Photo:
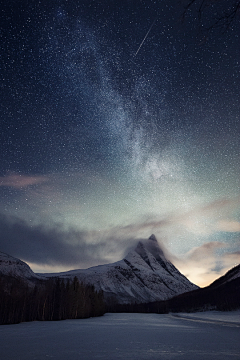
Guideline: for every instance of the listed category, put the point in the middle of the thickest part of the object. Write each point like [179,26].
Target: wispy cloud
[19,181]
[228,226]
[203,264]
[231,259]
[55,245]
[201,220]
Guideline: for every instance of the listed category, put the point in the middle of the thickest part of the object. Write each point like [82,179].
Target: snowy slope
[12,266]
[144,275]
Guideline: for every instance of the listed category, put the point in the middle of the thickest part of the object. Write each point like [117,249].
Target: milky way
[106,138]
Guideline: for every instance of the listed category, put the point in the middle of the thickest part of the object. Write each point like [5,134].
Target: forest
[53,299]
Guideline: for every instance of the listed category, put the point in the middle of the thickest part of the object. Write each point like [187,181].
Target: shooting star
[145,37]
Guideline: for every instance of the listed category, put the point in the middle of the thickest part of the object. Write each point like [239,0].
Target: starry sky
[119,119]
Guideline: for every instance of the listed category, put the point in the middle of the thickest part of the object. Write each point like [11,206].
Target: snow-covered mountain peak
[150,251]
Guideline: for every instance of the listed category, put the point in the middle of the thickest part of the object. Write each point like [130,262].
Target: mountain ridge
[143,275]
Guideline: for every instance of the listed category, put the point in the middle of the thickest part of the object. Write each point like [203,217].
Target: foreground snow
[228,318]
[124,336]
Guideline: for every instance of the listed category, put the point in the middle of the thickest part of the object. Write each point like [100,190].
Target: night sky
[119,120]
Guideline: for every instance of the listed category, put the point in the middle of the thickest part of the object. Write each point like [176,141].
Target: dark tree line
[53,299]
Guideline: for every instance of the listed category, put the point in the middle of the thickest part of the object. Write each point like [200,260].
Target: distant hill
[13,267]
[222,294]
[232,274]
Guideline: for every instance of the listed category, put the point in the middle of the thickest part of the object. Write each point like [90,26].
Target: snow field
[228,318]
[122,336]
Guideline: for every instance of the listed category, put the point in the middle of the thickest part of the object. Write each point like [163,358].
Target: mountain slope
[16,268]
[144,275]
[232,274]
[223,294]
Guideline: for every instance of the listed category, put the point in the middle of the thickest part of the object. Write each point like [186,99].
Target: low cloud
[56,246]
[52,247]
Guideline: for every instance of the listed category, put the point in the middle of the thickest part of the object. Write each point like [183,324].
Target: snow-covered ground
[125,336]
[228,318]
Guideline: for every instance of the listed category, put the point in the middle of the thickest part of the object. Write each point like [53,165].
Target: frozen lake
[125,336]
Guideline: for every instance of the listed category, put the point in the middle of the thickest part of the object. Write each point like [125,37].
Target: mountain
[223,295]
[144,275]
[11,266]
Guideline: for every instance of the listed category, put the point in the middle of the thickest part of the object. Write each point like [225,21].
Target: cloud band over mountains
[55,247]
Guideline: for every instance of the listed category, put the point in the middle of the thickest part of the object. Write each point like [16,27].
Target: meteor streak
[145,37]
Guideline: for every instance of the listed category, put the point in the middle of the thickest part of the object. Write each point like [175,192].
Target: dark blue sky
[102,134]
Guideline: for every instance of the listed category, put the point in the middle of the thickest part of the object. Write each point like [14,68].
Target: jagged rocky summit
[144,275]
